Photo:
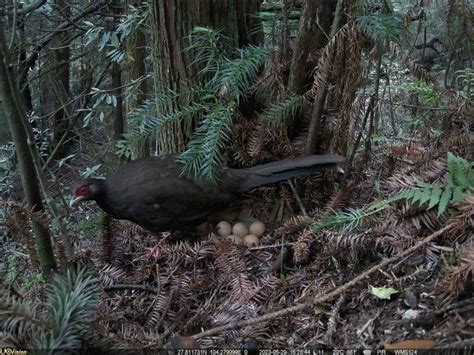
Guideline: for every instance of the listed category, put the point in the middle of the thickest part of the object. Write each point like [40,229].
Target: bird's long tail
[271,173]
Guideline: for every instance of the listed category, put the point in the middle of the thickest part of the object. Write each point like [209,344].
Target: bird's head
[88,190]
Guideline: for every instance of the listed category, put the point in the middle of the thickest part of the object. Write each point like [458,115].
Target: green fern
[204,153]
[213,102]
[209,49]
[282,112]
[349,220]
[71,303]
[459,183]
[235,76]
[382,28]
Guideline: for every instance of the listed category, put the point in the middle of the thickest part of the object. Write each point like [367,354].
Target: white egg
[240,229]
[223,229]
[251,240]
[257,228]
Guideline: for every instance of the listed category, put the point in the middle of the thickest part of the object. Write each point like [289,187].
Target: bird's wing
[170,199]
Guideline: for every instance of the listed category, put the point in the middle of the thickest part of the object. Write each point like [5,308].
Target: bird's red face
[83,192]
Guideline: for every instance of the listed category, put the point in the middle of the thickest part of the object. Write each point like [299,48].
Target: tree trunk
[320,99]
[24,86]
[16,115]
[313,31]
[61,82]
[136,53]
[171,22]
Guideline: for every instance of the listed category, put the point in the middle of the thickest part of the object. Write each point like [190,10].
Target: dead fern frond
[293,225]
[17,222]
[110,274]
[302,245]
[161,305]
[458,278]
[417,70]
[325,63]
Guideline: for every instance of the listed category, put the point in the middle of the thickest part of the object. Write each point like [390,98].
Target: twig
[297,198]
[273,246]
[130,287]
[336,292]
[368,323]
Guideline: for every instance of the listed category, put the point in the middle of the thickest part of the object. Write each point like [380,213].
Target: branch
[336,292]
[130,287]
[26,10]
[31,60]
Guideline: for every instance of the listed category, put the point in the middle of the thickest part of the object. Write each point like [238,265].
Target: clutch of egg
[239,233]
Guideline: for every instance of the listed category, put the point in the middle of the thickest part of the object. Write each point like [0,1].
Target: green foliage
[459,182]
[154,116]
[348,220]
[236,75]
[89,227]
[423,90]
[209,48]
[71,303]
[92,172]
[383,28]
[212,102]
[464,82]
[204,153]
[282,112]
[383,293]
[113,41]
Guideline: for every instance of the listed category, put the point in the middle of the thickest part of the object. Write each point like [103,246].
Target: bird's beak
[75,200]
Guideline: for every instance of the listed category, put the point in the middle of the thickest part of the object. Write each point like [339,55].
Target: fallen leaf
[384,293]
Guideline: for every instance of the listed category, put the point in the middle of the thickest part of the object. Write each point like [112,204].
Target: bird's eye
[83,190]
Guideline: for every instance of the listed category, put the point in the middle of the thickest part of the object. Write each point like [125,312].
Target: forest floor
[301,287]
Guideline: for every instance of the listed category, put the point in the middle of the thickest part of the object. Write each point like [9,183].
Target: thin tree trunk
[136,52]
[62,53]
[313,31]
[15,117]
[118,126]
[117,122]
[23,74]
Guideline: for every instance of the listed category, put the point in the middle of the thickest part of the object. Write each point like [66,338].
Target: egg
[240,229]
[235,239]
[257,228]
[251,240]
[223,229]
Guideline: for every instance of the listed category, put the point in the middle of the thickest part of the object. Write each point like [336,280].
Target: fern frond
[236,75]
[459,184]
[19,318]
[205,151]
[282,112]
[350,219]
[383,28]
[71,302]
[209,48]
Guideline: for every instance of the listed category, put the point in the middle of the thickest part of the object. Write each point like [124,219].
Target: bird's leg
[154,251]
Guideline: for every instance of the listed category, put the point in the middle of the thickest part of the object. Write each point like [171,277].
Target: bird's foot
[154,251]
